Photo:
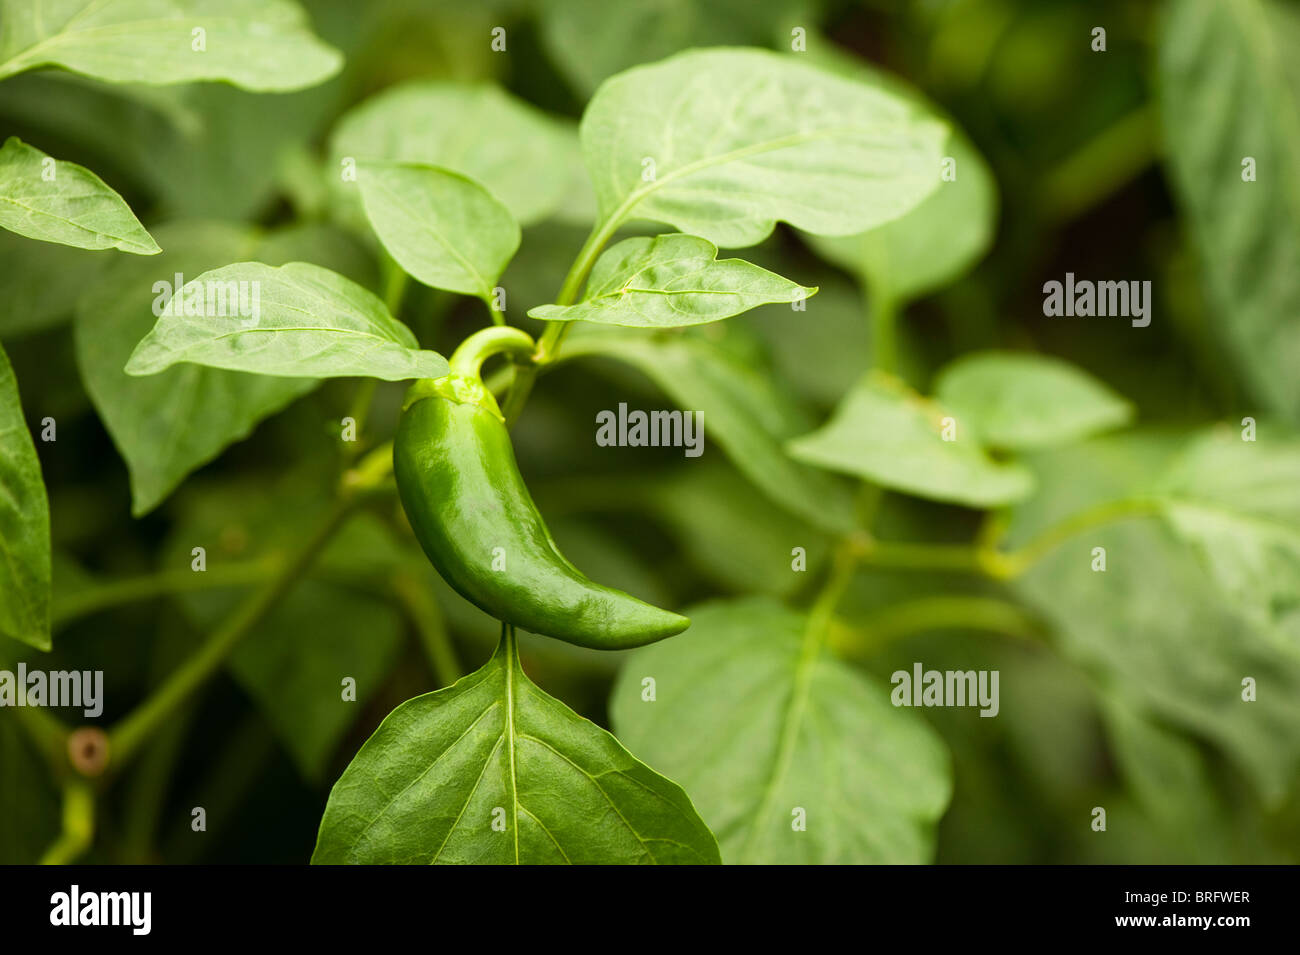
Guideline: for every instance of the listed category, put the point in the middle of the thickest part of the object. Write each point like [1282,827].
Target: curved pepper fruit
[472,513]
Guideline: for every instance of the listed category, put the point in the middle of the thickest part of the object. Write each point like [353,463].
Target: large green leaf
[1230,90]
[167,425]
[54,201]
[722,143]
[886,433]
[741,410]
[789,728]
[256,44]
[1153,628]
[298,321]
[672,280]
[24,524]
[518,153]
[1238,504]
[931,245]
[441,227]
[729,531]
[1019,401]
[493,770]
[944,235]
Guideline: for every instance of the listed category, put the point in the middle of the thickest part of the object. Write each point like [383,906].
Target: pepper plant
[445,251]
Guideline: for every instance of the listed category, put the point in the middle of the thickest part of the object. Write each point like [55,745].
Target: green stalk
[940,612]
[129,590]
[431,627]
[78,824]
[126,738]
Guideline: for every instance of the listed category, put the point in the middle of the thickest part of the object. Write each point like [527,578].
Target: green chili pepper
[473,515]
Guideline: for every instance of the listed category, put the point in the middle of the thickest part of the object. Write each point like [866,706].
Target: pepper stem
[468,358]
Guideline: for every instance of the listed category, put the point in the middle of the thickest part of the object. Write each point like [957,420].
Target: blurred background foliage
[1070,180]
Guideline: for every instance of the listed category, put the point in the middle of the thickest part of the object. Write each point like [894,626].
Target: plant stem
[884,332]
[395,284]
[48,735]
[941,612]
[128,735]
[905,555]
[548,347]
[431,627]
[129,590]
[78,824]
[469,356]
[1016,562]
[1104,165]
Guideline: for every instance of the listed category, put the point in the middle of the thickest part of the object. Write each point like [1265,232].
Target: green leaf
[42,282]
[444,767]
[54,201]
[886,433]
[722,143]
[1153,628]
[255,44]
[589,40]
[441,227]
[167,425]
[516,152]
[672,280]
[833,346]
[741,410]
[729,531]
[934,243]
[24,524]
[1238,504]
[940,239]
[1230,90]
[1020,401]
[789,726]
[297,321]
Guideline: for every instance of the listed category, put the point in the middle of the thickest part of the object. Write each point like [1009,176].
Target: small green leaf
[441,227]
[886,433]
[1020,401]
[24,524]
[722,143]
[255,44]
[1238,504]
[741,409]
[519,154]
[1229,74]
[672,280]
[54,201]
[790,728]
[167,425]
[295,321]
[493,770]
